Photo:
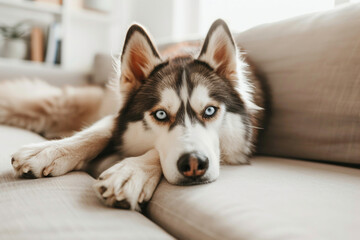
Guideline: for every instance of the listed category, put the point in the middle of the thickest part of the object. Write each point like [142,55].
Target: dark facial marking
[178,84]
[189,83]
[180,69]
[145,125]
[192,114]
[180,117]
[158,68]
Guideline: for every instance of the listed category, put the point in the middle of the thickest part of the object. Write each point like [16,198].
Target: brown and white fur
[179,116]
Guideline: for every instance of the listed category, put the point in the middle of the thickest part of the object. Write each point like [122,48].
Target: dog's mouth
[190,182]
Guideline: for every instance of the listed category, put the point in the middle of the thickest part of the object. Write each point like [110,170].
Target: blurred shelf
[71,17]
[33,6]
[82,14]
[9,62]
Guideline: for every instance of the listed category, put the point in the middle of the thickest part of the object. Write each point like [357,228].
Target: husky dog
[180,116]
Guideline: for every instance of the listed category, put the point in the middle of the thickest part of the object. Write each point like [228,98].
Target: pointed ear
[219,50]
[138,59]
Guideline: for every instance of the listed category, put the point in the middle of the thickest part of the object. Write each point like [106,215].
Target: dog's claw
[26,169]
[28,175]
[102,189]
[107,193]
[141,197]
[123,204]
[47,171]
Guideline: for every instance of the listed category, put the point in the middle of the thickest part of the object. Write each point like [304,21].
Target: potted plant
[14,43]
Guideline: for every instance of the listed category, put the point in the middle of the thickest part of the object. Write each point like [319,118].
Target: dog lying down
[180,116]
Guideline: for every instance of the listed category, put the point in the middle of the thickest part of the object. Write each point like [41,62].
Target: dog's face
[181,105]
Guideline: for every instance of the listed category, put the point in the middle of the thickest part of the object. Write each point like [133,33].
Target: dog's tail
[48,110]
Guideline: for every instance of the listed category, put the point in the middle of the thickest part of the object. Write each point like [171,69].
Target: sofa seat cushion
[61,207]
[311,64]
[272,198]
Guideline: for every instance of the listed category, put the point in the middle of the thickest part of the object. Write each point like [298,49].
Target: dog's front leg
[130,182]
[57,157]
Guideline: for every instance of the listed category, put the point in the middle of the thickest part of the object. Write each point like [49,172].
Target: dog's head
[185,105]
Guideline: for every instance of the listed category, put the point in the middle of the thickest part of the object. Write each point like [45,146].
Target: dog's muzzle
[193,165]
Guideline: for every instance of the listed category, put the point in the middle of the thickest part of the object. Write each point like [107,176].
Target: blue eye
[209,112]
[160,115]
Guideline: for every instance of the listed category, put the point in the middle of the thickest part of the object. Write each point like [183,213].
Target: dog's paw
[128,184]
[41,160]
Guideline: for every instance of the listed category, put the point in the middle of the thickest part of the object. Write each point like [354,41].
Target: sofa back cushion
[312,67]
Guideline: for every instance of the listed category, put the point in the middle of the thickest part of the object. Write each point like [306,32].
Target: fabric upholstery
[61,207]
[312,68]
[271,199]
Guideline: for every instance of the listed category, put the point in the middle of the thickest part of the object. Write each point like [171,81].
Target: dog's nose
[193,165]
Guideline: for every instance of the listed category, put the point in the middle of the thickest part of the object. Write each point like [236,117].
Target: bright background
[86,33]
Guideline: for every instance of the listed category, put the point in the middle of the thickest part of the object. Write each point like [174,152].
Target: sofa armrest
[53,75]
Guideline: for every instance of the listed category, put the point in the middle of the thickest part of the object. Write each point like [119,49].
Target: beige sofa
[311,64]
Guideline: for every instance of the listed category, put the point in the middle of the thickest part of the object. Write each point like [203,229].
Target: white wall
[244,14]
[170,20]
[156,15]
